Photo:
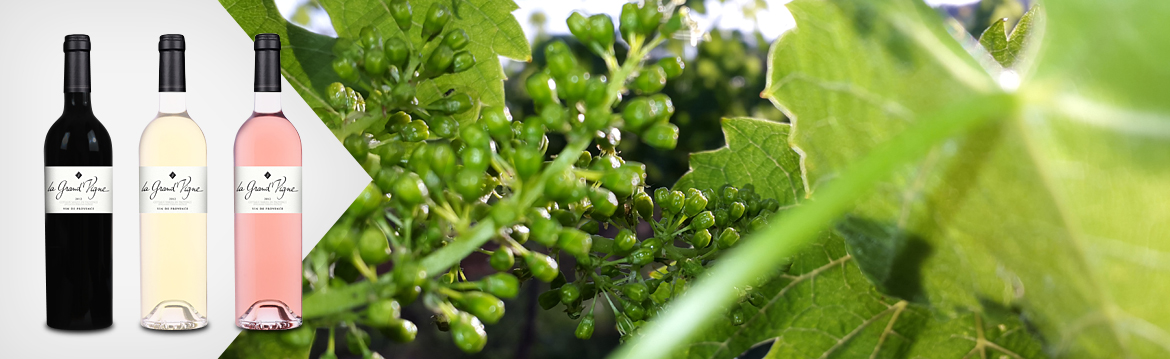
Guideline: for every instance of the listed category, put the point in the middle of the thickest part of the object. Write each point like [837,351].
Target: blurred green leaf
[262,345]
[755,153]
[490,27]
[1058,209]
[1005,47]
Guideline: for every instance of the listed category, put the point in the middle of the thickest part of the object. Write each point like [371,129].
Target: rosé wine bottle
[268,205]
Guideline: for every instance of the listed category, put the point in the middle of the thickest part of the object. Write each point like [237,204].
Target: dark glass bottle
[78,205]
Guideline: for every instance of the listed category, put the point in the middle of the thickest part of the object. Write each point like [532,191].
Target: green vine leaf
[490,27]
[755,153]
[1058,209]
[305,57]
[1005,47]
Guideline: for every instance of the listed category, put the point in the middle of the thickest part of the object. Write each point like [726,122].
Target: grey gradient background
[125,82]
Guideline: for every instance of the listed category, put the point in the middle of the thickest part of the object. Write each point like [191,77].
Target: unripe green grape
[633,310]
[672,202]
[457,39]
[415,131]
[695,202]
[579,27]
[628,22]
[357,146]
[450,105]
[469,183]
[420,159]
[408,295]
[570,293]
[440,61]
[722,217]
[649,17]
[475,136]
[638,114]
[771,204]
[371,38]
[504,213]
[736,210]
[560,186]
[367,202]
[560,59]
[437,17]
[701,239]
[729,193]
[502,285]
[498,120]
[400,11]
[382,312]
[444,126]
[527,160]
[373,247]
[339,239]
[532,132]
[396,51]
[641,257]
[673,66]
[663,136]
[575,242]
[650,80]
[409,275]
[468,334]
[644,206]
[346,69]
[597,119]
[336,96]
[442,159]
[661,106]
[622,181]
[653,244]
[553,117]
[541,266]
[583,160]
[727,238]
[400,330]
[604,202]
[463,61]
[502,259]
[596,93]
[601,30]
[486,307]
[585,328]
[403,93]
[540,88]
[712,199]
[409,189]
[637,292]
[476,158]
[703,220]
[625,240]
[375,63]
[573,85]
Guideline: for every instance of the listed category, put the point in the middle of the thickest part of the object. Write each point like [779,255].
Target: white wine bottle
[172,203]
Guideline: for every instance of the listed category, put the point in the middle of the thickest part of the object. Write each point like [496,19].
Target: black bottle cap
[267,63]
[76,49]
[172,73]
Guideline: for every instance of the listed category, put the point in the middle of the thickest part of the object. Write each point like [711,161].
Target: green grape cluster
[438,179]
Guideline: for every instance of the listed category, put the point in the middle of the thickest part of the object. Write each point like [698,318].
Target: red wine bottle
[78,205]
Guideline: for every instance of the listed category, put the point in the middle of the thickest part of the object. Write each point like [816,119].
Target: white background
[125,82]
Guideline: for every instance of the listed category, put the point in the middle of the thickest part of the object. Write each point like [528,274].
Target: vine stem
[766,249]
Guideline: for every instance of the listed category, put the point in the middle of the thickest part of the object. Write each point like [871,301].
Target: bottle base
[174,315]
[269,315]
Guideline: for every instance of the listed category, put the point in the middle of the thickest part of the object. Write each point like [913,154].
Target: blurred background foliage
[723,77]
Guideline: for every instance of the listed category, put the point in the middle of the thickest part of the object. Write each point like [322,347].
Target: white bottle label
[268,189]
[165,189]
[80,189]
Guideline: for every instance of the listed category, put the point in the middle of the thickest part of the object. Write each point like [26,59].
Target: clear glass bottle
[268,205]
[172,203]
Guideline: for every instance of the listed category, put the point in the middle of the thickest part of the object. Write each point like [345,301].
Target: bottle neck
[172,102]
[267,102]
[78,103]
